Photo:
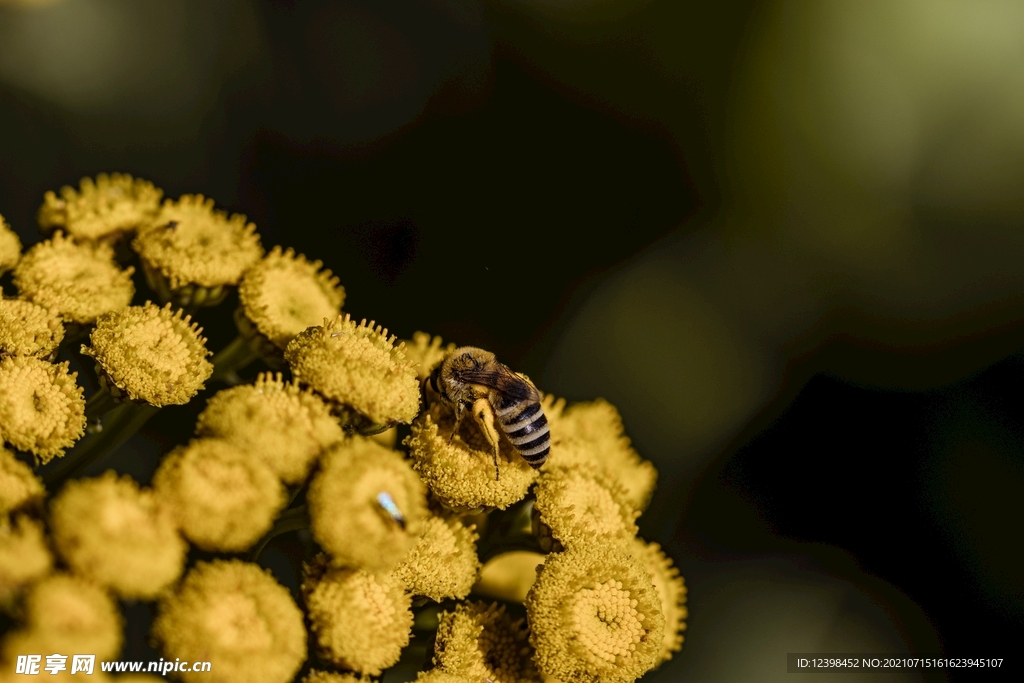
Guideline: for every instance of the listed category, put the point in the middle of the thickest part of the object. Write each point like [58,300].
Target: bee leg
[484,416]
[460,412]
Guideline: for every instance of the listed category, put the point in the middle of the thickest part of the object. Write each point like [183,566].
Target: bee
[471,378]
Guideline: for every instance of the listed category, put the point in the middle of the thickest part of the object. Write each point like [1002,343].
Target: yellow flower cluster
[150,354]
[104,208]
[399,540]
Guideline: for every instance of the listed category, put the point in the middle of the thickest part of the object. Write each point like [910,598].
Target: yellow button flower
[80,280]
[671,591]
[426,352]
[284,294]
[443,563]
[150,354]
[101,209]
[361,620]
[442,676]
[67,614]
[24,556]
[19,486]
[191,253]
[358,367]
[595,617]
[222,498]
[460,471]
[10,247]
[584,507]
[284,426]
[509,576]
[42,409]
[591,435]
[483,641]
[107,530]
[28,329]
[349,517]
[236,616]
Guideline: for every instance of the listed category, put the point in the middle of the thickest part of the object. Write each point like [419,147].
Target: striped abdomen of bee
[525,425]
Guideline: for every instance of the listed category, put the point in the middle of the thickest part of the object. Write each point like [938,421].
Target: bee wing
[503,380]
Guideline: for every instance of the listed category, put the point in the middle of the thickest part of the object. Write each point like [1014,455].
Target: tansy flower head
[236,616]
[350,518]
[80,280]
[595,617]
[426,352]
[66,613]
[150,354]
[24,556]
[509,576]
[104,208]
[443,563]
[28,329]
[107,530]
[42,409]
[460,471]
[361,620]
[190,247]
[671,591]
[10,247]
[590,435]
[284,294]
[222,498]
[481,641]
[357,367]
[581,507]
[276,422]
[19,486]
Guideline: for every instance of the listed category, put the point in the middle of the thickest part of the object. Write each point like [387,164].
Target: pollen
[581,507]
[42,409]
[235,615]
[150,354]
[284,294]
[221,498]
[459,470]
[10,247]
[443,564]
[189,243]
[595,616]
[426,352]
[78,279]
[361,620]
[110,531]
[358,367]
[345,511]
[275,421]
[483,641]
[28,329]
[100,209]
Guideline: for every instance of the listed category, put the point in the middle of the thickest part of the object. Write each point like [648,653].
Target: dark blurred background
[783,237]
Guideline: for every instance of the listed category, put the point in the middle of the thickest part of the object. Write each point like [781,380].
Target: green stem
[294,519]
[508,530]
[118,424]
[98,405]
[232,358]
